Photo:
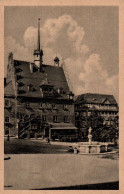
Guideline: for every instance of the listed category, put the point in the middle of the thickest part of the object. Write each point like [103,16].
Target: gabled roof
[55,77]
[56,59]
[8,89]
[95,99]
[106,101]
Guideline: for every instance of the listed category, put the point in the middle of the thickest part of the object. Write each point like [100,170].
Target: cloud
[64,37]
[20,52]
[95,79]
[30,37]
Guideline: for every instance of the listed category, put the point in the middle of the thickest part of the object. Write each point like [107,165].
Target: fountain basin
[93,148]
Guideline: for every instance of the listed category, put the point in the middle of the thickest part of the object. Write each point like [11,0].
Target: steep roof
[95,98]
[56,59]
[8,89]
[54,75]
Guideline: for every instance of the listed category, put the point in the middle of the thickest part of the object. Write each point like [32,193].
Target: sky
[85,38]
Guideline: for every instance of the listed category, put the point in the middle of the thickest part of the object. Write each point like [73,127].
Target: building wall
[10,126]
[107,111]
[17,110]
[48,111]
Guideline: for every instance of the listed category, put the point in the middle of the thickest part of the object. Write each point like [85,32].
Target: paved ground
[47,171]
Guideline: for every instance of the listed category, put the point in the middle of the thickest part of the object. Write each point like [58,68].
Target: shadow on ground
[100,186]
[24,146]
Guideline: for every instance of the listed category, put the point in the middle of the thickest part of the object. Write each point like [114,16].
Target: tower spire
[38,54]
[38,40]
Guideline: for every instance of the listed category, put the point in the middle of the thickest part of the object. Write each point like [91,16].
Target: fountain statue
[90,147]
[90,136]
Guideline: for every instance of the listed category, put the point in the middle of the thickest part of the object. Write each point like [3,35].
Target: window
[55,118]
[70,97]
[33,126]
[19,115]
[43,117]
[83,113]
[27,105]
[54,106]
[6,119]
[50,89]
[7,103]
[61,90]
[89,113]
[47,106]
[40,105]
[30,88]
[65,119]
[58,90]
[65,107]
[45,89]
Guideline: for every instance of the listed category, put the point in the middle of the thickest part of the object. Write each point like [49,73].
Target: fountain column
[90,136]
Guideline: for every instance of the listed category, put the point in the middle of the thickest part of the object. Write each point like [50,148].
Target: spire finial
[38,40]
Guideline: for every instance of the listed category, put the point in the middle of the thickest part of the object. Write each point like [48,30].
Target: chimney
[10,58]
[56,61]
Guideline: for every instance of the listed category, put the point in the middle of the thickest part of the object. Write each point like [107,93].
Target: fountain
[90,147]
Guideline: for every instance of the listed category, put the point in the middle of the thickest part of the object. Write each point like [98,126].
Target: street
[47,171]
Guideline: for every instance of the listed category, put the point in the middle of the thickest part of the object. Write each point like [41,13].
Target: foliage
[100,131]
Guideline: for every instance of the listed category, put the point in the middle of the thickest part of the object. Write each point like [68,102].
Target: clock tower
[38,54]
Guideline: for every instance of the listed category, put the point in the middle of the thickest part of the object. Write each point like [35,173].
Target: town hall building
[38,101]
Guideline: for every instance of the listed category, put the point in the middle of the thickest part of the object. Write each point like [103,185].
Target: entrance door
[47,132]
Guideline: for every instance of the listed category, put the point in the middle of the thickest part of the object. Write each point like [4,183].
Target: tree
[111,132]
[95,121]
[100,131]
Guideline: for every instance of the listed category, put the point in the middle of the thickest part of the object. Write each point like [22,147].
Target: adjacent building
[105,106]
[38,101]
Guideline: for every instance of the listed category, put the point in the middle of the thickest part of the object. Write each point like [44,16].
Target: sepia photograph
[61,97]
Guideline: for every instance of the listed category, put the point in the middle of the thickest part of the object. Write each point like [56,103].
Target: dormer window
[30,88]
[60,90]
[70,95]
[47,90]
